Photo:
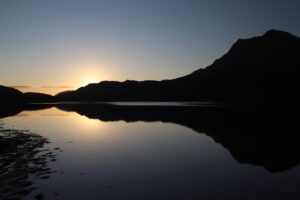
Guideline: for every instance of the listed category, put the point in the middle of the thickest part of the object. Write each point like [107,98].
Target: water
[121,152]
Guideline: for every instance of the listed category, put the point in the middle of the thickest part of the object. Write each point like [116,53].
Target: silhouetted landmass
[12,96]
[38,97]
[267,137]
[259,69]
[265,68]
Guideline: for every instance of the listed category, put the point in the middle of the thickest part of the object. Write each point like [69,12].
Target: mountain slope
[257,69]
[265,67]
[38,97]
[12,95]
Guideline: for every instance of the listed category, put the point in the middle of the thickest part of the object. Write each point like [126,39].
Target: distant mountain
[11,95]
[8,94]
[38,97]
[255,69]
[265,68]
[259,69]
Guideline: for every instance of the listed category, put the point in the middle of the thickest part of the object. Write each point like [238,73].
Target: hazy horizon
[53,46]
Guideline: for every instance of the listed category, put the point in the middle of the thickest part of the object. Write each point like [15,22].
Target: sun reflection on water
[55,122]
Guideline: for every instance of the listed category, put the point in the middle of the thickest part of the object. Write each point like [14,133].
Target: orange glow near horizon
[88,71]
[88,81]
[52,90]
[80,74]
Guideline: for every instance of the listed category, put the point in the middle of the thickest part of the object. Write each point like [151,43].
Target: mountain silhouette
[13,96]
[34,97]
[260,69]
[8,94]
[264,68]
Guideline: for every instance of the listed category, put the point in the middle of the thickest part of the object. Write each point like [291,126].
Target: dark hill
[257,69]
[12,96]
[38,97]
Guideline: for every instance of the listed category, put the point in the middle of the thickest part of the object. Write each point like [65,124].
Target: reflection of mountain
[268,137]
[256,69]
[11,110]
[260,136]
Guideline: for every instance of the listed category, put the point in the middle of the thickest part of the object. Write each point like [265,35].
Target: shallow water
[148,157]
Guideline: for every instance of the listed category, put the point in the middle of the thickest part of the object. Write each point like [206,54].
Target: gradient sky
[55,45]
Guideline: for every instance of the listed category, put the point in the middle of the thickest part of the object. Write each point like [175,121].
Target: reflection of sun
[91,130]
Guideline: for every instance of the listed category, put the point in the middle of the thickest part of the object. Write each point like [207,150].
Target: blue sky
[51,45]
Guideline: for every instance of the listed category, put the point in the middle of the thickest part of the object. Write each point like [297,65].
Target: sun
[88,81]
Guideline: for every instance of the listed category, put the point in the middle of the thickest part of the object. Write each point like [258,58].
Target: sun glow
[87,71]
[88,81]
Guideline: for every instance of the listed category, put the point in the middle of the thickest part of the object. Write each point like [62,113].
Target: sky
[56,45]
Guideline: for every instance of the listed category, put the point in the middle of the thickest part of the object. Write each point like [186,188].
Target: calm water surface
[115,159]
